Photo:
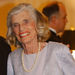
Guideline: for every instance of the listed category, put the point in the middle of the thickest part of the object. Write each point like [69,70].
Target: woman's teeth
[24,34]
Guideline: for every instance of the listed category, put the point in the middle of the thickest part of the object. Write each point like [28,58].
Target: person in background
[35,57]
[4,51]
[56,14]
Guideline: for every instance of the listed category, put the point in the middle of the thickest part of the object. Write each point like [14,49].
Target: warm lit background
[6,5]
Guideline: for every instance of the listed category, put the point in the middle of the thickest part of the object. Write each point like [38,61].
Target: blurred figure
[56,14]
[4,51]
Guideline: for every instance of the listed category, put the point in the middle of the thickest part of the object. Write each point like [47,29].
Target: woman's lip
[23,32]
[22,35]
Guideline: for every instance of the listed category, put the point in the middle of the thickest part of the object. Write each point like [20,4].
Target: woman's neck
[31,47]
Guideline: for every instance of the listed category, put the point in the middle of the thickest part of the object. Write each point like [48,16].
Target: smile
[24,34]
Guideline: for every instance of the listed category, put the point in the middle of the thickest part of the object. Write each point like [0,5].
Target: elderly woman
[34,57]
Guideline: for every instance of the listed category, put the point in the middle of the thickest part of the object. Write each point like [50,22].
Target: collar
[52,30]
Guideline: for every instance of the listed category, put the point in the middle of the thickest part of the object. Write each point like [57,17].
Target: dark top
[54,37]
[69,38]
[4,51]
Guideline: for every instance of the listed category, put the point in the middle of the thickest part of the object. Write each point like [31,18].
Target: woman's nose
[21,27]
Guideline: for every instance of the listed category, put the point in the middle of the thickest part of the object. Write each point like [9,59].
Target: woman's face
[24,27]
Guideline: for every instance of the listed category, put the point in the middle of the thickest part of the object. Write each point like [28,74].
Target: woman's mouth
[24,34]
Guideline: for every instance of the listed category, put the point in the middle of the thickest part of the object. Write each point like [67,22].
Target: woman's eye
[26,21]
[15,25]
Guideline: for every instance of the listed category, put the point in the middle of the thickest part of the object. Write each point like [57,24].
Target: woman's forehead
[22,15]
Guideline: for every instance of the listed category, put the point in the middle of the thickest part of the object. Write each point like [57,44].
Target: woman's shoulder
[63,57]
[59,51]
[56,44]
[58,47]
[16,52]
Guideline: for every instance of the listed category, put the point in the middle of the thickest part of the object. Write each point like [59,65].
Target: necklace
[35,61]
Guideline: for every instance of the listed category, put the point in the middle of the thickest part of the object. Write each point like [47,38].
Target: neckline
[39,52]
[53,30]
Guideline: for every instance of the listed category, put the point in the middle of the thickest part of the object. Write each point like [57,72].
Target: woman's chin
[24,40]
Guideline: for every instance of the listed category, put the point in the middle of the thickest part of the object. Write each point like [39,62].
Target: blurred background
[68,35]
